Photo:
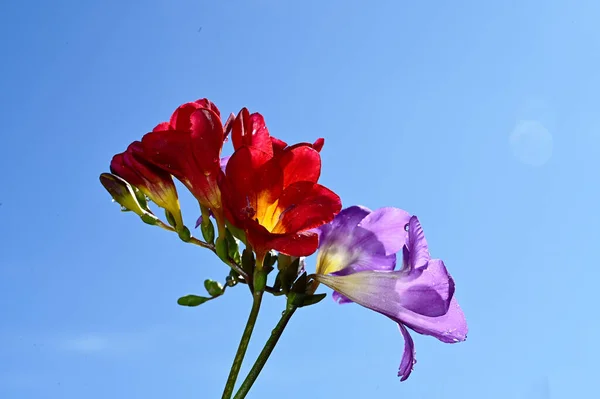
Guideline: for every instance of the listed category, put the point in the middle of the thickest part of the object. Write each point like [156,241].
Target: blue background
[417,102]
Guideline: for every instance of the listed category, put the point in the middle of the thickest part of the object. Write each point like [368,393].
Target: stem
[265,353]
[241,352]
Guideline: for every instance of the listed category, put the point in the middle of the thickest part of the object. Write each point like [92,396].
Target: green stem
[241,352]
[265,353]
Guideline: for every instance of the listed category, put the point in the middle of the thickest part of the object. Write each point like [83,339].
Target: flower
[189,147]
[357,259]
[154,182]
[270,190]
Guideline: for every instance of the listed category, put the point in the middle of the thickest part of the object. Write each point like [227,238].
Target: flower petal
[408,357]
[250,130]
[343,224]
[306,205]
[416,252]
[300,164]
[389,225]
[301,244]
[223,163]
[449,328]
[339,298]
[420,299]
[345,248]
[206,139]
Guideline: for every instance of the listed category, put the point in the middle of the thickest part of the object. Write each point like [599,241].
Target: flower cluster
[266,196]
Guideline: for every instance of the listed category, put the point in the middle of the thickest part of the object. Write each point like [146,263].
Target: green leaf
[214,288]
[192,300]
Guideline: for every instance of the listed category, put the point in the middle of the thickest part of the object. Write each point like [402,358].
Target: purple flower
[357,259]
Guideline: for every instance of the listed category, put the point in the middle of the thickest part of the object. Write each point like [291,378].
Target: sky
[479,117]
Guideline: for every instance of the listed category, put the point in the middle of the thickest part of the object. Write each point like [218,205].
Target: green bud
[214,288]
[149,219]
[230,280]
[122,192]
[208,230]
[192,300]
[184,234]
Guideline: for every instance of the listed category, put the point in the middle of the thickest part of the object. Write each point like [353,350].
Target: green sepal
[221,248]
[170,219]
[248,262]
[233,247]
[299,286]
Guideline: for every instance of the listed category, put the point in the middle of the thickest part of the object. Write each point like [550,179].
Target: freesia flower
[189,147]
[357,259]
[271,191]
[154,182]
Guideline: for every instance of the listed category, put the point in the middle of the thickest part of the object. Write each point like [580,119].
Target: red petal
[206,140]
[206,103]
[300,164]
[302,244]
[251,131]
[306,206]
[249,177]
[162,127]
[318,144]
[278,145]
[180,120]
[169,150]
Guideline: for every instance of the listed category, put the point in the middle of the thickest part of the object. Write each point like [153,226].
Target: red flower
[189,148]
[152,181]
[270,190]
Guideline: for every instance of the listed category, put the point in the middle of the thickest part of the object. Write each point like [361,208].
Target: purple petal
[344,223]
[450,328]
[408,357]
[345,248]
[420,299]
[339,298]
[224,161]
[389,225]
[430,291]
[416,252]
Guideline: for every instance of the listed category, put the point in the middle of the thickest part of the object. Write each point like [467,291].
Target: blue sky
[479,117]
